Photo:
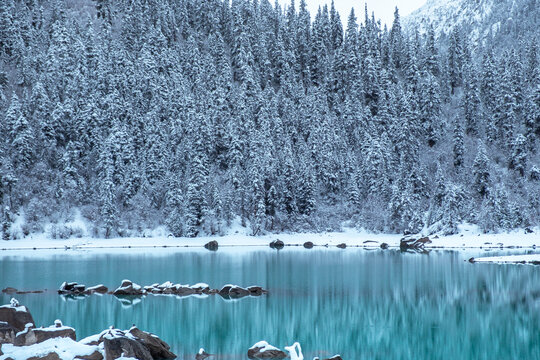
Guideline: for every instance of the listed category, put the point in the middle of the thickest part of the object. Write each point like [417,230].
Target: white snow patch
[265,346]
[510,259]
[66,348]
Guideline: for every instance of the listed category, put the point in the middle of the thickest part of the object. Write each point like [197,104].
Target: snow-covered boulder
[263,350]
[30,335]
[71,288]
[132,343]
[16,316]
[202,354]
[129,288]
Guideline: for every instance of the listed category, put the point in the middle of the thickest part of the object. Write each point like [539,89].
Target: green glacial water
[358,303]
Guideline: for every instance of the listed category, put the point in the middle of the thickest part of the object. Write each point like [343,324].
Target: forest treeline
[195,114]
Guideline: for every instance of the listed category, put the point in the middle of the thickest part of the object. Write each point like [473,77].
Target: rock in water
[256,290]
[263,350]
[128,288]
[17,317]
[237,292]
[201,355]
[342,246]
[384,246]
[158,348]
[308,245]
[277,244]
[99,289]
[212,245]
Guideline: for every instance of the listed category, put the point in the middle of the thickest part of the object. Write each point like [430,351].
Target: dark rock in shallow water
[263,350]
[237,292]
[256,290]
[384,246]
[277,244]
[342,246]
[9,290]
[201,355]
[212,245]
[158,348]
[225,290]
[98,289]
[16,316]
[308,245]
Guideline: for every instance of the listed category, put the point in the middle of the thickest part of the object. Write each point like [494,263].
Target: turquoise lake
[358,303]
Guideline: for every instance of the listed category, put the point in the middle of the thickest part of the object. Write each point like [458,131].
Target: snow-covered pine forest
[197,114]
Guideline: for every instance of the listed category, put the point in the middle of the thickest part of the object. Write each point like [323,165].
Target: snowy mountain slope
[479,18]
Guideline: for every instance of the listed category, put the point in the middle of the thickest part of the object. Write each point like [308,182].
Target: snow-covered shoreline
[467,239]
[530,259]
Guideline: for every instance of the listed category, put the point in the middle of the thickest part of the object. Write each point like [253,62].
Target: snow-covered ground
[66,348]
[533,259]
[468,238]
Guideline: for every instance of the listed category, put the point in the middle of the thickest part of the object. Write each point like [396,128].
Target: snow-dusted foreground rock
[59,341]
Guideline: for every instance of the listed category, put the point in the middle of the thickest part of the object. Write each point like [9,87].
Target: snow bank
[66,348]
[532,259]
[469,238]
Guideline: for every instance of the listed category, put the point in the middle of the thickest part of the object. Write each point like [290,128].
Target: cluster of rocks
[128,288]
[413,244]
[10,290]
[278,245]
[74,288]
[132,343]
[17,328]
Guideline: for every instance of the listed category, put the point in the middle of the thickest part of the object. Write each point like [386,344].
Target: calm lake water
[358,303]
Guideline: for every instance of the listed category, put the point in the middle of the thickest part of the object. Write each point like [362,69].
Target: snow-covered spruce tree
[459,147]
[481,172]
[196,204]
[518,159]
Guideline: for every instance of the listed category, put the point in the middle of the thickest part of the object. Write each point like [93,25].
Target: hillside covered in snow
[193,116]
[504,20]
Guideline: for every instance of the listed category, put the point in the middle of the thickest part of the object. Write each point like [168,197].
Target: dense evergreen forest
[197,114]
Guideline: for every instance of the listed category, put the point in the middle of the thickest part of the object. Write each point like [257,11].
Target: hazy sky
[384,9]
